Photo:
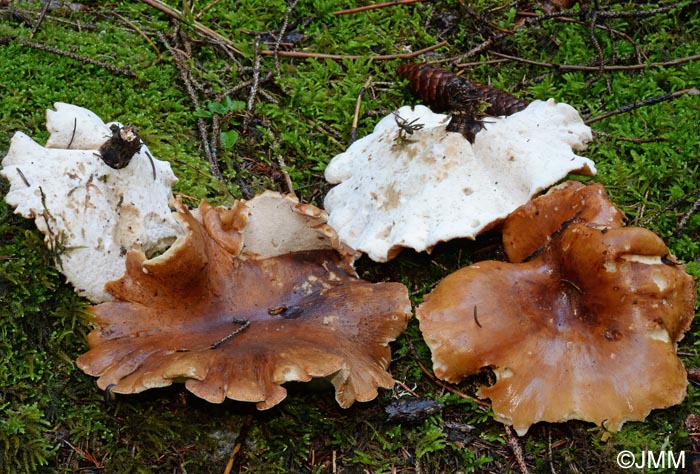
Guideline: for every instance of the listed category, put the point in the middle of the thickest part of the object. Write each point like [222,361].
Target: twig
[125,71]
[569,15]
[517,450]
[215,136]
[640,13]
[596,46]
[644,103]
[685,218]
[244,324]
[283,30]
[158,5]
[206,8]
[201,125]
[637,141]
[476,318]
[340,57]
[407,388]
[240,439]
[287,178]
[24,178]
[143,35]
[356,116]
[573,67]
[72,135]
[374,7]
[483,20]
[671,205]
[250,105]
[44,10]
[549,450]
[439,383]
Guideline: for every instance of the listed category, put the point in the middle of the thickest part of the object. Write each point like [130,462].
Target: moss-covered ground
[52,416]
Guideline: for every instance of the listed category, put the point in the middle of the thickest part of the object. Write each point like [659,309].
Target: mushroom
[90,214]
[584,327]
[235,310]
[411,183]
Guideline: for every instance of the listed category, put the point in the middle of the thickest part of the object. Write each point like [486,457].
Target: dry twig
[44,10]
[356,116]
[644,103]
[574,67]
[283,30]
[250,105]
[124,71]
[375,6]
[517,450]
[142,34]
[439,383]
[238,444]
[340,57]
[686,217]
[186,77]
[205,30]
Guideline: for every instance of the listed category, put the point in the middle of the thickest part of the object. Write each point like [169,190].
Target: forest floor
[239,95]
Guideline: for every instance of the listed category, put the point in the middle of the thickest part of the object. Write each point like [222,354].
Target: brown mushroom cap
[587,329]
[175,318]
[569,202]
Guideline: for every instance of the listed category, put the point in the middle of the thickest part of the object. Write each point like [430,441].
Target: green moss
[52,416]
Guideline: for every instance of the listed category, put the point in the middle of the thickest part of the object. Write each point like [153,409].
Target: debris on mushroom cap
[411,186]
[89,213]
[238,324]
[586,329]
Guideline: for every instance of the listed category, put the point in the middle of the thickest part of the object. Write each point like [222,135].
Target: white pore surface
[437,186]
[89,213]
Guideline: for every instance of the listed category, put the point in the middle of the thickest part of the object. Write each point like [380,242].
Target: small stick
[287,178]
[340,57]
[440,384]
[21,175]
[250,106]
[574,67]
[407,388]
[283,30]
[638,141]
[238,444]
[205,8]
[686,216]
[476,319]
[186,77]
[355,118]
[572,284]
[549,450]
[244,324]
[125,71]
[158,5]
[598,49]
[72,136]
[143,35]
[153,165]
[517,450]
[481,19]
[673,204]
[374,7]
[644,103]
[44,10]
